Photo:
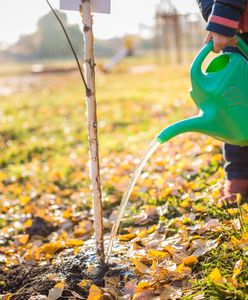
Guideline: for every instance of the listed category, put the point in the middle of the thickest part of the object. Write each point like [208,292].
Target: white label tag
[97,6]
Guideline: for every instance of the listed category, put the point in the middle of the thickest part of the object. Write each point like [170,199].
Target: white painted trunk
[92,126]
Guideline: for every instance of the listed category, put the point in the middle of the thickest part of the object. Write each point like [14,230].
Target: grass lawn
[175,239]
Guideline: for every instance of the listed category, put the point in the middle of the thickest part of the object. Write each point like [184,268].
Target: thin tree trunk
[92,126]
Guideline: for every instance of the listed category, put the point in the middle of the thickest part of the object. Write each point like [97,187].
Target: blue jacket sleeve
[205,7]
[223,16]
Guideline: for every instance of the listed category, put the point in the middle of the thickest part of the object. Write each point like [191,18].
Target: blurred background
[143,54]
[166,29]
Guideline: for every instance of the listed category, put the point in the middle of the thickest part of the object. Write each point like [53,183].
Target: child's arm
[205,7]
[223,20]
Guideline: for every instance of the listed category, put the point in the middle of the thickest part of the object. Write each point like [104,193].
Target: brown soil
[24,281]
[40,227]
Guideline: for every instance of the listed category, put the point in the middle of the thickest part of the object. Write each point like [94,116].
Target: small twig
[70,44]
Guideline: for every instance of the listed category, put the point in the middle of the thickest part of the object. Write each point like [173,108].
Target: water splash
[147,154]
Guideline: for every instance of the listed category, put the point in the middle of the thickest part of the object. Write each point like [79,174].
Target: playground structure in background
[127,50]
[177,36]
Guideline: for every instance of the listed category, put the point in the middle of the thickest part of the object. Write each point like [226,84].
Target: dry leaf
[145,295]
[190,260]
[235,241]
[52,247]
[236,224]
[23,239]
[169,249]
[74,242]
[24,200]
[130,287]
[183,271]
[28,223]
[140,267]
[141,286]
[83,228]
[170,293]
[238,268]
[84,283]
[6,297]
[56,291]
[215,277]
[67,213]
[158,255]
[95,293]
[212,224]
[126,237]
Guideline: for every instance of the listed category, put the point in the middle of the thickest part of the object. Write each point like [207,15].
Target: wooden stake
[92,126]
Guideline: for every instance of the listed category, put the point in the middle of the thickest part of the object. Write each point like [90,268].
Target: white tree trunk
[92,126]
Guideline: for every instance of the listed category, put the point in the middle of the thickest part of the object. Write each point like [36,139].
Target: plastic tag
[97,6]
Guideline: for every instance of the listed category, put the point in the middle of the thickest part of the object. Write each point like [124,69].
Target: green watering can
[221,95]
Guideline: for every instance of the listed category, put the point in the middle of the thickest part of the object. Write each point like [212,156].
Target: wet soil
[25,281]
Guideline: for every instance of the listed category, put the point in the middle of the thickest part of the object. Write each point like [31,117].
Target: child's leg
[236,157]
[236,162]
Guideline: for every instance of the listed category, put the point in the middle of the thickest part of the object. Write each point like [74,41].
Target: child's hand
[220,41]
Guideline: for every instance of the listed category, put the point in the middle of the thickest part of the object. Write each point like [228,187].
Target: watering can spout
[195,124]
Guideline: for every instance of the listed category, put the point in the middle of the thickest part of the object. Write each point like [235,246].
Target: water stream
[147,154]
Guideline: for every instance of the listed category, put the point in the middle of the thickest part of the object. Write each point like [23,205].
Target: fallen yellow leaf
[158,255]
[83,228]
[57,291]
[28,223]
[152,229]
[67,213]
[5,297]
[215,277]
[3,176]
[60,285]
[74,242]
[245,207]
[142,234]
[126,237]
[140,267]
[24,200]
[23,239]
[141,286]
[190,260]
[84,283]
[234,241]
[233,211]
[32,254]
[169,249]
[95,293]
[183,271]
[52,247]
[186,203]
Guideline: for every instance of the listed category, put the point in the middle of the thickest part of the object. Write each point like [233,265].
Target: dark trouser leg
[236,162]
[236,157]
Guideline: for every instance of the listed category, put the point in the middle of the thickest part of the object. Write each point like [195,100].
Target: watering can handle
[196,68]
[242,46]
